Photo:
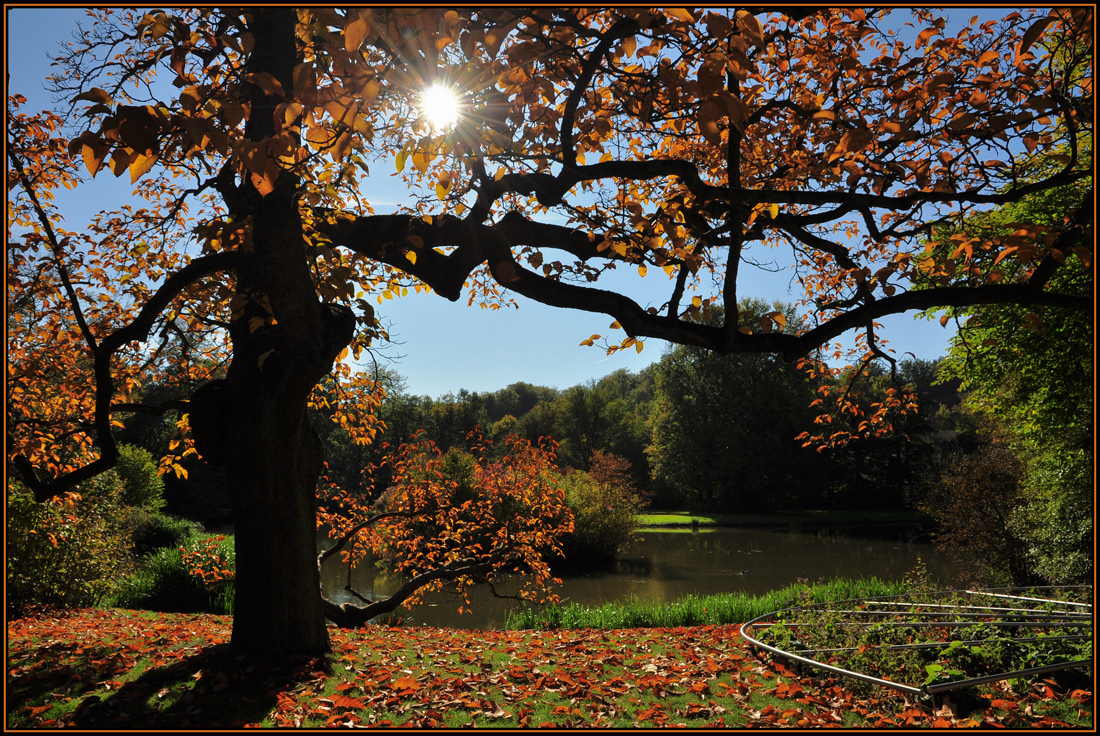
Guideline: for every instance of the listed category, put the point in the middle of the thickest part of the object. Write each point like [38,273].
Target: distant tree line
[699,431]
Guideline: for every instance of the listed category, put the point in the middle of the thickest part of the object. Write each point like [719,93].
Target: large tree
[724,426]
[678,142]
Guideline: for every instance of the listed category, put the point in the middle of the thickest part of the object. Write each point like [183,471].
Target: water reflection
[664,565]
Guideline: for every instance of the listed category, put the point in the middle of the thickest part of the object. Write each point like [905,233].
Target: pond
[662,565]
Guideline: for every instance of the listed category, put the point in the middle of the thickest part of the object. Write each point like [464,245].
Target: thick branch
[477,244]
[549,188]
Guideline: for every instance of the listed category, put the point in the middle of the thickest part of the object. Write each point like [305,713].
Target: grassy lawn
[111,669]
[808,518]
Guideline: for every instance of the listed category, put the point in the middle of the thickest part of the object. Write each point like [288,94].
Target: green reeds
[692,610]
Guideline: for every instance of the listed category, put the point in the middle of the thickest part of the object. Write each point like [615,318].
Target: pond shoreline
[659,519]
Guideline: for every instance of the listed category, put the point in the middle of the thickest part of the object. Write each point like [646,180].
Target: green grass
[711,610]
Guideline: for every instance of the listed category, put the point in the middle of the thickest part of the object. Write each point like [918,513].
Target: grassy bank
[115,669]
[692,610]
[659,518]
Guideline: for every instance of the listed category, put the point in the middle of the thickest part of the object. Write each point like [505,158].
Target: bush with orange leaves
[457,520]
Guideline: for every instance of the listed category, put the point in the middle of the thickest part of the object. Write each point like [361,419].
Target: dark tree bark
[284,342]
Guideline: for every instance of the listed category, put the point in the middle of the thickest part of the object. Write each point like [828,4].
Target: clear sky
[443,346]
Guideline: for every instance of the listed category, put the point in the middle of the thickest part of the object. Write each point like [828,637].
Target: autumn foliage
[683,146]
[458,519]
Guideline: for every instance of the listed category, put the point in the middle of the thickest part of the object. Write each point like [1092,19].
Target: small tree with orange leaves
[449,522]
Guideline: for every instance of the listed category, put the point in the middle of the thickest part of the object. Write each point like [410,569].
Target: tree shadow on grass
[209,690]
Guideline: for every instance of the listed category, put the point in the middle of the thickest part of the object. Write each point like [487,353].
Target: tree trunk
[284,342]
[272,479]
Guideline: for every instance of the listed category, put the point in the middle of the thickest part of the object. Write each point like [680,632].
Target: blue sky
[444,346]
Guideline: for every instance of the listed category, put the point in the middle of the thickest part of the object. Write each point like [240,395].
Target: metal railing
[941,613]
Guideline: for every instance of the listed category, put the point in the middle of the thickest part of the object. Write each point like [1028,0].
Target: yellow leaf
[499,175]
[93,157]
[630,44]
[1032,34]
[642,270]
[681,14]
[140,165]
[773,210]
[750,27]
[639,345]
[411,255]
[615,325]
[268,83]
[854,140]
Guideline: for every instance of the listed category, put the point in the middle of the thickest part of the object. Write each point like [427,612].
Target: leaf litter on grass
[113,668]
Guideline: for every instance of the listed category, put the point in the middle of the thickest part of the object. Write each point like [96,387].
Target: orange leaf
[264,184]
[95,95]
[93,154]
[268,83]
[355,33]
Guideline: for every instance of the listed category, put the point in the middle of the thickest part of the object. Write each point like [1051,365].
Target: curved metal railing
[930,616]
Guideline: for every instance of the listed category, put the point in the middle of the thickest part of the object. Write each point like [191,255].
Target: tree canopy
[677,144]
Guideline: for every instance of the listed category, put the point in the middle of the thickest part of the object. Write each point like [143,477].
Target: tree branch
[136,330]
[55,246]
[347,615]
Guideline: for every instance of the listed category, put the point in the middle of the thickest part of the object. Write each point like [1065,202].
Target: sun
[441,107]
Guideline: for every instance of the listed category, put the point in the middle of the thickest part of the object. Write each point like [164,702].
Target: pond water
[663,565]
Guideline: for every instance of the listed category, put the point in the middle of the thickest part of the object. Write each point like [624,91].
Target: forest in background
[700,431]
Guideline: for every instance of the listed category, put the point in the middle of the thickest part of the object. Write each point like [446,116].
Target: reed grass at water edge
[692,610]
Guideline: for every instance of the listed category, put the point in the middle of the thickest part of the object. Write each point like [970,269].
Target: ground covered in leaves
[134,669]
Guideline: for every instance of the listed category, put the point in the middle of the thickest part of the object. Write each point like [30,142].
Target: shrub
[604,503]
[68,551]
[152,530]
[195,577]
[142,486]
[976,503]
[1058,518]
